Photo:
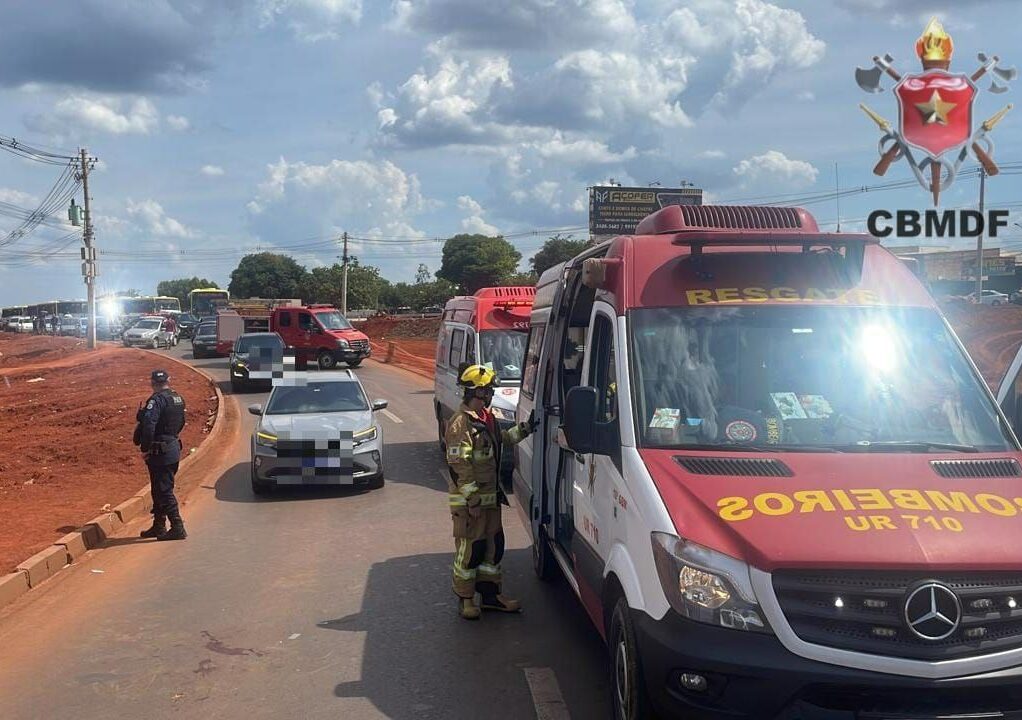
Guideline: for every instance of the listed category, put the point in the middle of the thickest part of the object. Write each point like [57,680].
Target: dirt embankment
[406,342]
[992,335]
[66,419]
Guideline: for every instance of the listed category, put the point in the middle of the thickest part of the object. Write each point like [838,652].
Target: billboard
[992,267]
[618,210]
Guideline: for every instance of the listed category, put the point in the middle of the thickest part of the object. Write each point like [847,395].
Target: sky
[223,127]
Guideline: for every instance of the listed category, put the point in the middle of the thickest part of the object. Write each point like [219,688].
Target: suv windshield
[317,397]
[206,329]
[333,320]
[844,378]
[246,344]
[503,350]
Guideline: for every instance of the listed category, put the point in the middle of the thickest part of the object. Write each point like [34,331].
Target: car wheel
[326,360]
[628,687]
[353,363]
[543,563]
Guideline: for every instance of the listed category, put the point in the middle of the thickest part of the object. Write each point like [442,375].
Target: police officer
[160,422]
[474,443]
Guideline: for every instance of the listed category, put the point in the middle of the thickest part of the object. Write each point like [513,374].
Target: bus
[204,302]
[150,305]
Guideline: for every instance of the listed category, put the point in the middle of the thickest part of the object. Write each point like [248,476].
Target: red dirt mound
[66,438]
[992,335]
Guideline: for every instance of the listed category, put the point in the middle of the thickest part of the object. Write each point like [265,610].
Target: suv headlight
[705,585]
[266,439]
[364,436]
[343,344]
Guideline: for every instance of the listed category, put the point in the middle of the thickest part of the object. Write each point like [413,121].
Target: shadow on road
[235,485]
[415,463]
[420,660]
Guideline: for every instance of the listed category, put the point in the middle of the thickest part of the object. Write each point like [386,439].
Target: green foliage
[475,261]
[556,250]
[267,275]
[418,295]
[526,279]
[182,286]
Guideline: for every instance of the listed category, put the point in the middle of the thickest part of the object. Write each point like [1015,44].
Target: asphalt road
[313,603]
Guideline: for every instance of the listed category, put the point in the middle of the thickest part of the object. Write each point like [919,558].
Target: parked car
[990,297]
[69,325]
[21,324]
[253,359]
[204,339]
[149,332]
[331,409]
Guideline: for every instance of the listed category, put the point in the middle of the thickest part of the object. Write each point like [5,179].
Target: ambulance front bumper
[752,675]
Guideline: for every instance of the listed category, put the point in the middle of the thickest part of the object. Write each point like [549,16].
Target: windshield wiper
[745,447]
[909,445]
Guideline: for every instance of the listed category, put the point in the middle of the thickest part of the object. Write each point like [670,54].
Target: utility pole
[837,197]
[88,253]
[344,277]
[979,240]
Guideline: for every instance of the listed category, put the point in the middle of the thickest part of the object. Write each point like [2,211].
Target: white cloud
[178,122]
[312,20]
[212,170]
[17,197]
[103,113]
[806,96]
[474,223]
[580,151]
[150,217]
[711,154]
[776,169]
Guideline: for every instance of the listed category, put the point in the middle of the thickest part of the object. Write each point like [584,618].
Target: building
[953,272]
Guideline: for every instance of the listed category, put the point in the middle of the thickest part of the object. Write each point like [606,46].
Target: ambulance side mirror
[580,419]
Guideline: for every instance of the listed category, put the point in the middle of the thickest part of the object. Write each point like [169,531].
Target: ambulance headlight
[707,586]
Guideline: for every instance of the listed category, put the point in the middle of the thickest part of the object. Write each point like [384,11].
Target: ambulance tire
[628,686]
[543,563]
[326,360]
[441,432]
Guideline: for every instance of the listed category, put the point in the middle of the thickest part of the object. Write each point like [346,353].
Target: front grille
[992,468]
[738,467]
[870,616]
[360,345]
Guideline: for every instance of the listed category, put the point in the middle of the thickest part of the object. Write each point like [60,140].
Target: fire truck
[245,316]
[772,475]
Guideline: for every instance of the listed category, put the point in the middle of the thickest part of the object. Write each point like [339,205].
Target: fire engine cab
[772,475]
[488,327]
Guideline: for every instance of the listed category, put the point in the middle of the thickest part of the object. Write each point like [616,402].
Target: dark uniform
[162,419]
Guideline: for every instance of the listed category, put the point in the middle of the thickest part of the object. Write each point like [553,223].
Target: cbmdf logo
[936,129]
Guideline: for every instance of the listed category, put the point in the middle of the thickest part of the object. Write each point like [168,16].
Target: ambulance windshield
[504,351]
[819,377]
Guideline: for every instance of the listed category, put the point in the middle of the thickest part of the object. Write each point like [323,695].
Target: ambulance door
[596,476]
[528,484]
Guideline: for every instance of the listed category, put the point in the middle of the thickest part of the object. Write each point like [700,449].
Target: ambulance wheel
[441,433]
[628,687]
[326,360]
[543,562]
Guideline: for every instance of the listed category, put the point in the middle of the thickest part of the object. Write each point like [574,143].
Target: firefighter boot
[468,609]
[176,532]
[159,527]
[500,603]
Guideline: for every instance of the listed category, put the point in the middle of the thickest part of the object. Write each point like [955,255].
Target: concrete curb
[93,534]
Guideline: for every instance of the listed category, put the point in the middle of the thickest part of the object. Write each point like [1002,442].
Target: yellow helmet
[478,376]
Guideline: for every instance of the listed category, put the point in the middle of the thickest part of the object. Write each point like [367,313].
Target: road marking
[392,417]
[546,694]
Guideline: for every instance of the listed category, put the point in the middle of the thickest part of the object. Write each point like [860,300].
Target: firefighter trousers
[478,550]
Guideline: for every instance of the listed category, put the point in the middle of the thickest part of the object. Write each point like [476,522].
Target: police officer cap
[159,376]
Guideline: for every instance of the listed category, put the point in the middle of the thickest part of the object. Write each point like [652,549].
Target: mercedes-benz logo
[932,611]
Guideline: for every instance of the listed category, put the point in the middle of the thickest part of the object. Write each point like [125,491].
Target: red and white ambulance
[487,327]
[772,475]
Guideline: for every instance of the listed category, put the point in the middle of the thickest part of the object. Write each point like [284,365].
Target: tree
[267,275]
[181,287]
[527,279]
[323,285]
[475,261]
[556,250]
[422,275]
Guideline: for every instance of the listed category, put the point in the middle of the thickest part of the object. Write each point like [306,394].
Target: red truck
[320,333]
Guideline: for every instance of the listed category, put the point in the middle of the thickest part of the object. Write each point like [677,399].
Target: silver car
[317,430]
[149,332]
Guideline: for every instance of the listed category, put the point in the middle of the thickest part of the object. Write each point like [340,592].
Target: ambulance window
[603,369]
[444,347]
[532,352]
[284,319]
[457,348]
[470,347]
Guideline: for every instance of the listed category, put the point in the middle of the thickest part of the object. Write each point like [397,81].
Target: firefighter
[159,423]
[474,443]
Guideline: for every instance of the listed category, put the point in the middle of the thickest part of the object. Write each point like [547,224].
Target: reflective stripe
[468,488]
[461,452]
[487,569]
[463,574]
[488,499]
[456,500]
[459,500]
[481,455]
[515,435]
[460,571]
